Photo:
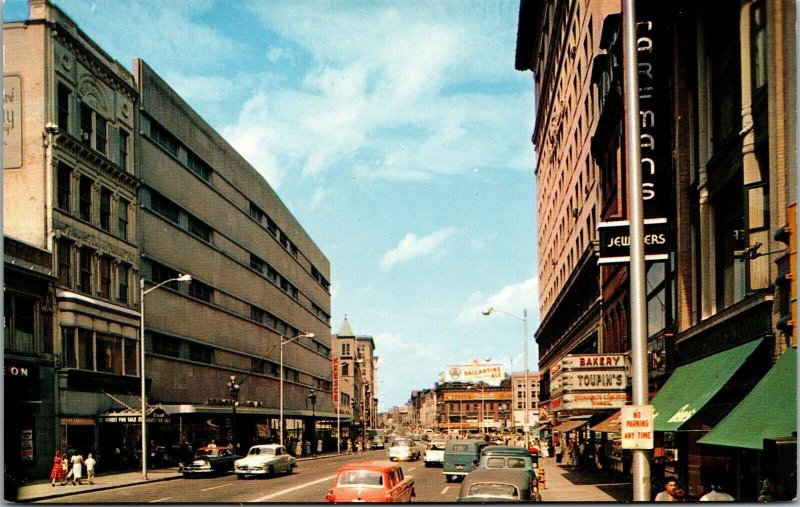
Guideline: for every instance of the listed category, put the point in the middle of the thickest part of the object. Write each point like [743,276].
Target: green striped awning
[769,411]
[691,386]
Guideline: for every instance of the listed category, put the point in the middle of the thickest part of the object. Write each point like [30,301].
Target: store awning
[769,411]
[691,386]
[569,426]
[156,414]
[610,425]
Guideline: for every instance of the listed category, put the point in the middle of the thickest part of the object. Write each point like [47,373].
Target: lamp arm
[151,289]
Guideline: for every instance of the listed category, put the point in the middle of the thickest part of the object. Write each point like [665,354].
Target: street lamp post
[280,408]
[312,397]
[524,320]
[142,292]
[234,388]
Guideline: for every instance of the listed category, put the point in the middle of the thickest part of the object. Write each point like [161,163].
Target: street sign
[637,426]
[615,241]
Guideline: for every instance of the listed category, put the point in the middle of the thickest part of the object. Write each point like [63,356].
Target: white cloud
[511,298]
[411,247]
[319,196]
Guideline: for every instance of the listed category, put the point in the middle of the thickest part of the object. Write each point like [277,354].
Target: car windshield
[360,478]
[255,451]
[204,453]
[403,443]
[494,490]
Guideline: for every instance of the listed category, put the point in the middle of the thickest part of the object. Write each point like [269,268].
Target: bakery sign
[590,362]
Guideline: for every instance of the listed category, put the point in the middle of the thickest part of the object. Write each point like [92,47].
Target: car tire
[271,471]
[240,476]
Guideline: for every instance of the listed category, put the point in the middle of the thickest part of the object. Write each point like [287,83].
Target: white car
[404,449]
[265,460]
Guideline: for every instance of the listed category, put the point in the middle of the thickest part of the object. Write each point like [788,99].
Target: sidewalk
[564,483]
[43,490]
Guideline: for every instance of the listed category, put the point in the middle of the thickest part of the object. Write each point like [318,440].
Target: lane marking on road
[445,490]
[160,499]
[217,487]
[289,490]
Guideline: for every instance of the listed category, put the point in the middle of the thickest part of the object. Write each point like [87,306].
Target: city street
[311,481]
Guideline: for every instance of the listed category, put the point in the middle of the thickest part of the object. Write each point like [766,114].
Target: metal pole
[338,419]
[640,465]
[141,373]
[280,406]
[527,382]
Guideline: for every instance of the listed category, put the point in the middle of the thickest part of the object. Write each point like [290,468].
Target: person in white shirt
[716,495]
[90,463]
[668,495]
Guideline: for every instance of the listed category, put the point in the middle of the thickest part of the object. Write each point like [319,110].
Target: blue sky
[398,133]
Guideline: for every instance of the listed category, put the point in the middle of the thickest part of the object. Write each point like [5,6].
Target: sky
[399,135]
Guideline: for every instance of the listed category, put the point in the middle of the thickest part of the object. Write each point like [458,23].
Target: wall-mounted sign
[596,380]
[615,241]
[26,444]
[577,401]
[12,122]
[589,362]
[335,386]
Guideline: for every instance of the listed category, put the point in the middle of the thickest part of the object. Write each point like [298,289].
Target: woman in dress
[57,473]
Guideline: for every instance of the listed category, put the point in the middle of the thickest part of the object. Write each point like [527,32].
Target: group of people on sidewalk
[68,466]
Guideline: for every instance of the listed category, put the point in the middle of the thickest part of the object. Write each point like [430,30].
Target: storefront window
[108,354]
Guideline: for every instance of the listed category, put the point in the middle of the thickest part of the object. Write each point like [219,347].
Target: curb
[100,488]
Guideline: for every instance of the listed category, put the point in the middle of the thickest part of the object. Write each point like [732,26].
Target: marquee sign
[582,401]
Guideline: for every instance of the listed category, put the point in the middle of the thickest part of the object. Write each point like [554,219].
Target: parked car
[371,481]
[209,460]
[434,454]
[404,449]
[504,485]
[265,460]
[499,457]
[461,457]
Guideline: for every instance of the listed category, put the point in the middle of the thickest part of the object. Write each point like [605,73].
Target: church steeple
[345,329]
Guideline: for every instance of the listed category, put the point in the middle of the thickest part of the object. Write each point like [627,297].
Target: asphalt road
[310,482]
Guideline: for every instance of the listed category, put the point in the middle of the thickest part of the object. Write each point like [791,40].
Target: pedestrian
[668,495]
[66,472]
[349,446]
[319,445]
[58,472]
[307,447]
[559,451]
[90,463]
[77,469]
[715,494]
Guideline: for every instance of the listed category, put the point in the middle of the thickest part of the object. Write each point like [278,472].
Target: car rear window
[460,448]
[360,478]
[516,462]
[494,490]
[496,463]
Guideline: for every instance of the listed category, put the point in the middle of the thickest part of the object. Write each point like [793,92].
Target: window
[105,209]
[272,275]
[165,207]
[272,227]
[86,125]
[257,314]
[123,149]
[85,352]
[345,369]
[758,20]
[166,140]
[345,349]
[64,253]
[165,345]
[258,365]
[201,291]
[256,213]
[122,277]
[64,184]
[729,227]
[161,273]
[257,263]
[199,167]
[199,229]
[85,197]
[122,218]
[108,353]
[19,322]
[85,270]
[64,94]
[101,134]
[129,348]
[201,353]
[105,276]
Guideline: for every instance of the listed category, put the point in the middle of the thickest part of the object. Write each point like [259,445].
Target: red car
[371,481]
